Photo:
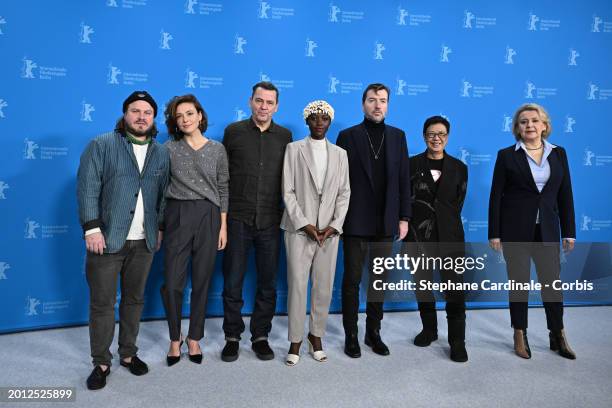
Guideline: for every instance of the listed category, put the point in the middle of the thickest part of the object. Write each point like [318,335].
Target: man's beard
[139,133]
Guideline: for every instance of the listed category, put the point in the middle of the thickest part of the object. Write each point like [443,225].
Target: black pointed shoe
[425,338]
[559,344]
[351,345]
[372,339]
[97,378]
[172,360]
[136,366]
[194,358]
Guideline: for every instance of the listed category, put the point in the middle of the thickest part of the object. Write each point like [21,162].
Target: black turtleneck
[375,132]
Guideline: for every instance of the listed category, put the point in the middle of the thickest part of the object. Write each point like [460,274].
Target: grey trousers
[192,232]
[133,262]
[306,259]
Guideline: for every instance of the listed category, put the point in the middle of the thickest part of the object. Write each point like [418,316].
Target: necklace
[375,152]
[534,148]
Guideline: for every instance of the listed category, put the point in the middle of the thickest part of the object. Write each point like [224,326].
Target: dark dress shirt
[255,167]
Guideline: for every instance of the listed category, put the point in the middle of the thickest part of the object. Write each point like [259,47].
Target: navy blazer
[515,199]
[360,220]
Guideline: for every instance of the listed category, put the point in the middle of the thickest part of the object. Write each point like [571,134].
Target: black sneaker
[262,350]
[136,366]
[97,378]
[230,351]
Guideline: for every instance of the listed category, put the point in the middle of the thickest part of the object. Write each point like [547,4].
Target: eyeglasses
[432,135]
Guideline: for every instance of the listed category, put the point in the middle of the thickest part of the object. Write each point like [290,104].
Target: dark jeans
[133,263]
[545,255]
[240,238]
[355,251]
[192,231]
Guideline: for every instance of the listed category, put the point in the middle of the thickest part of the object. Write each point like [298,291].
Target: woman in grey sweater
[195,219]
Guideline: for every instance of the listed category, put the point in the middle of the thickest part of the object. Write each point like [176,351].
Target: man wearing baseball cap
[121,181]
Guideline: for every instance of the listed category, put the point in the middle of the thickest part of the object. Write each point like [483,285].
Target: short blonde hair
[543,117]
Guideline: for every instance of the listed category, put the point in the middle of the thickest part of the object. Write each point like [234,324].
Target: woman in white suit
[316,192]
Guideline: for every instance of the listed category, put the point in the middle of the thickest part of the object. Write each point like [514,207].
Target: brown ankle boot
[558,343]
[521,345]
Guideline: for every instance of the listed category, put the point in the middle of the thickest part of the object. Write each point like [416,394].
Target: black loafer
[372,339]
[230,351]
[97,378]
[136,366]
[262,350]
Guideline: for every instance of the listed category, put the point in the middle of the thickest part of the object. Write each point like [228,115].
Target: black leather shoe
[559,344]
[230,351]
[97,378]
[372,339]
[458,353]
[136,366]
[194,358]
[424,338]
[262,350]
[351,345]
[172,360]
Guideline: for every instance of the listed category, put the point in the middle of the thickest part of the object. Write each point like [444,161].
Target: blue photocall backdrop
[67,66]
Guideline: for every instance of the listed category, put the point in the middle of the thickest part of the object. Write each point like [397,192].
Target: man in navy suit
[379,208]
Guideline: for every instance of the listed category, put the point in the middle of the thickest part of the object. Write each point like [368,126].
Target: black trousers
[545,255]
[455,304]
[192,232]
[356,249]
[455,299]
[133,263]
[241,237]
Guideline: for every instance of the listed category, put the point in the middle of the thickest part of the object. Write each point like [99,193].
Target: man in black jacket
[379,208]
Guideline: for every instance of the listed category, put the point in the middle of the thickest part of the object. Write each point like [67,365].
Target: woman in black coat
[530,208]
[439,185]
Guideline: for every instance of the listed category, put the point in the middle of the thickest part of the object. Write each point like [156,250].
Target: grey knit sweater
[198,174]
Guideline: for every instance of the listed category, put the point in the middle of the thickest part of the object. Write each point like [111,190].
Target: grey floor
[409,377]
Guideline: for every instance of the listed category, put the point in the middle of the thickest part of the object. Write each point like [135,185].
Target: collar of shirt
[269,129]
[547,149]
